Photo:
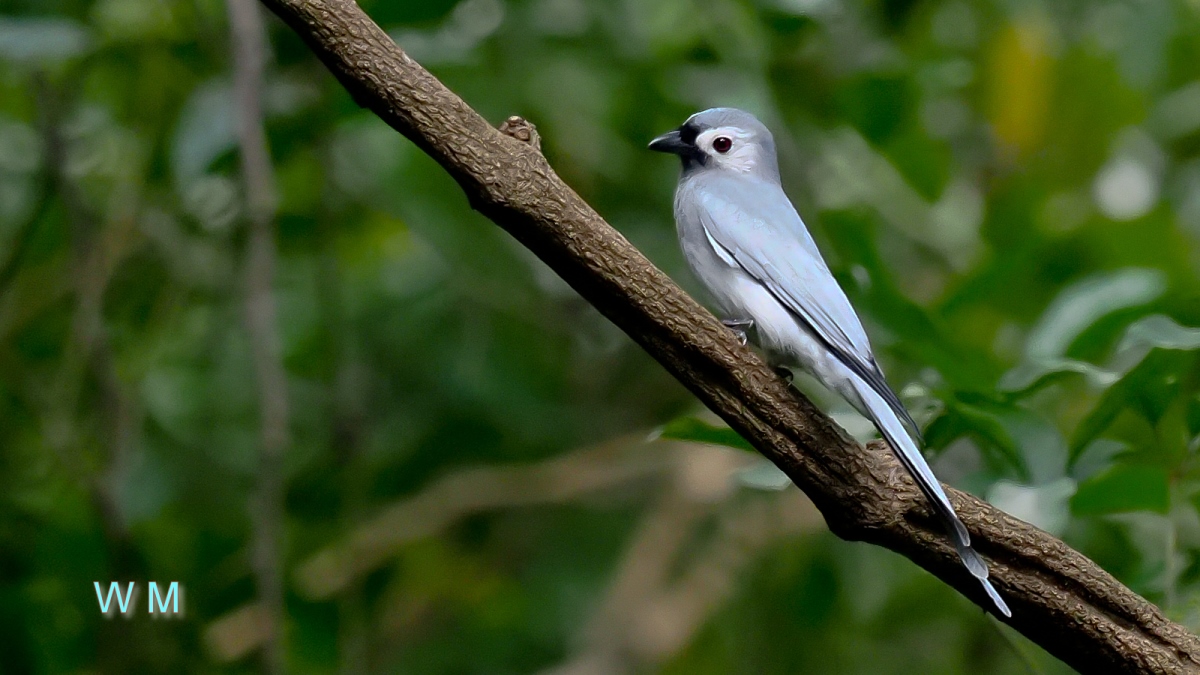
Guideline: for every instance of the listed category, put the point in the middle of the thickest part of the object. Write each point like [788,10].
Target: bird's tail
[889,424]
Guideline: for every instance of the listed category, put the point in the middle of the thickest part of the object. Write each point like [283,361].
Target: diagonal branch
[473,490]
[1060,599]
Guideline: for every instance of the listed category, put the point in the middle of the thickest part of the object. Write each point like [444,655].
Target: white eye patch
[729,148]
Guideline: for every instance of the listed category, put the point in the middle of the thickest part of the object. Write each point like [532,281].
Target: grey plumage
[744,240]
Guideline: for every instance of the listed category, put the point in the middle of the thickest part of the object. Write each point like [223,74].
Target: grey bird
[743,239]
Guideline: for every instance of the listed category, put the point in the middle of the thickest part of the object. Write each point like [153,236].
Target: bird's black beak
[670,142]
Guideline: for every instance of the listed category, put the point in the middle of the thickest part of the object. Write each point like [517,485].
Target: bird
[745,242]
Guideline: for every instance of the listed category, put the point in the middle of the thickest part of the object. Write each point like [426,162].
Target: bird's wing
[759,229]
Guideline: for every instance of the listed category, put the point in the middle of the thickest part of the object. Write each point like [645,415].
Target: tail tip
[976,565]
[996,599]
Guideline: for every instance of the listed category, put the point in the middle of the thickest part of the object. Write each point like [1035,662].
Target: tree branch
[249,60]
[96,251]
[473,490]
[1059,598]
[652,610]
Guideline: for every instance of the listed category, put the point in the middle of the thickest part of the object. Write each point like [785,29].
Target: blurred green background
[485,476]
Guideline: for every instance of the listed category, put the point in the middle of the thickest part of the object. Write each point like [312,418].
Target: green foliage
[1124,487]
[696,430]
[1009,193]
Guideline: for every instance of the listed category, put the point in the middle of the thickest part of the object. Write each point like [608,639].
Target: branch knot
[523,130]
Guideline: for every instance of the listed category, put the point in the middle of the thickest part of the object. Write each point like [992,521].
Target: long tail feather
[894,432]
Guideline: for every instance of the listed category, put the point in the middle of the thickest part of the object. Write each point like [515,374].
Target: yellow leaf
[1020,84]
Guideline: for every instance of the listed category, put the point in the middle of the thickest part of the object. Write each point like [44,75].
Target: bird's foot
[739,327]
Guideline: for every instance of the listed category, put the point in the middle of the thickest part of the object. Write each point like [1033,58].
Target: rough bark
[1060,599]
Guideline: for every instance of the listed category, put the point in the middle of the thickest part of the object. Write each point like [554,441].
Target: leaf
[1045,505]
[1026,441]
[1083,303]
[920,336]
[1193,415]
[763,475]
[1123,488]
[41,41]
[690,428]
[1022,68]
[1097,457]
[1159,331]
[205,130]
[207,126]
[1147,389]
[1142,336]
[1031,376]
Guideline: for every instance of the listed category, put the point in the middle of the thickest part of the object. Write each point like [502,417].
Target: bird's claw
[739,328]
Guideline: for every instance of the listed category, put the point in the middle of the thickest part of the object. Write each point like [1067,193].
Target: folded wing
[758,229]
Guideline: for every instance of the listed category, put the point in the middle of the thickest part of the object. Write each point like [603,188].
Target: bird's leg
[739,327]
[784,372]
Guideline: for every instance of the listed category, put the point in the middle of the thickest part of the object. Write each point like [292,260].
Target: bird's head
[722,139]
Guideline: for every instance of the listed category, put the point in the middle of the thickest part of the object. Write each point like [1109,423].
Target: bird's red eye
[722,144]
